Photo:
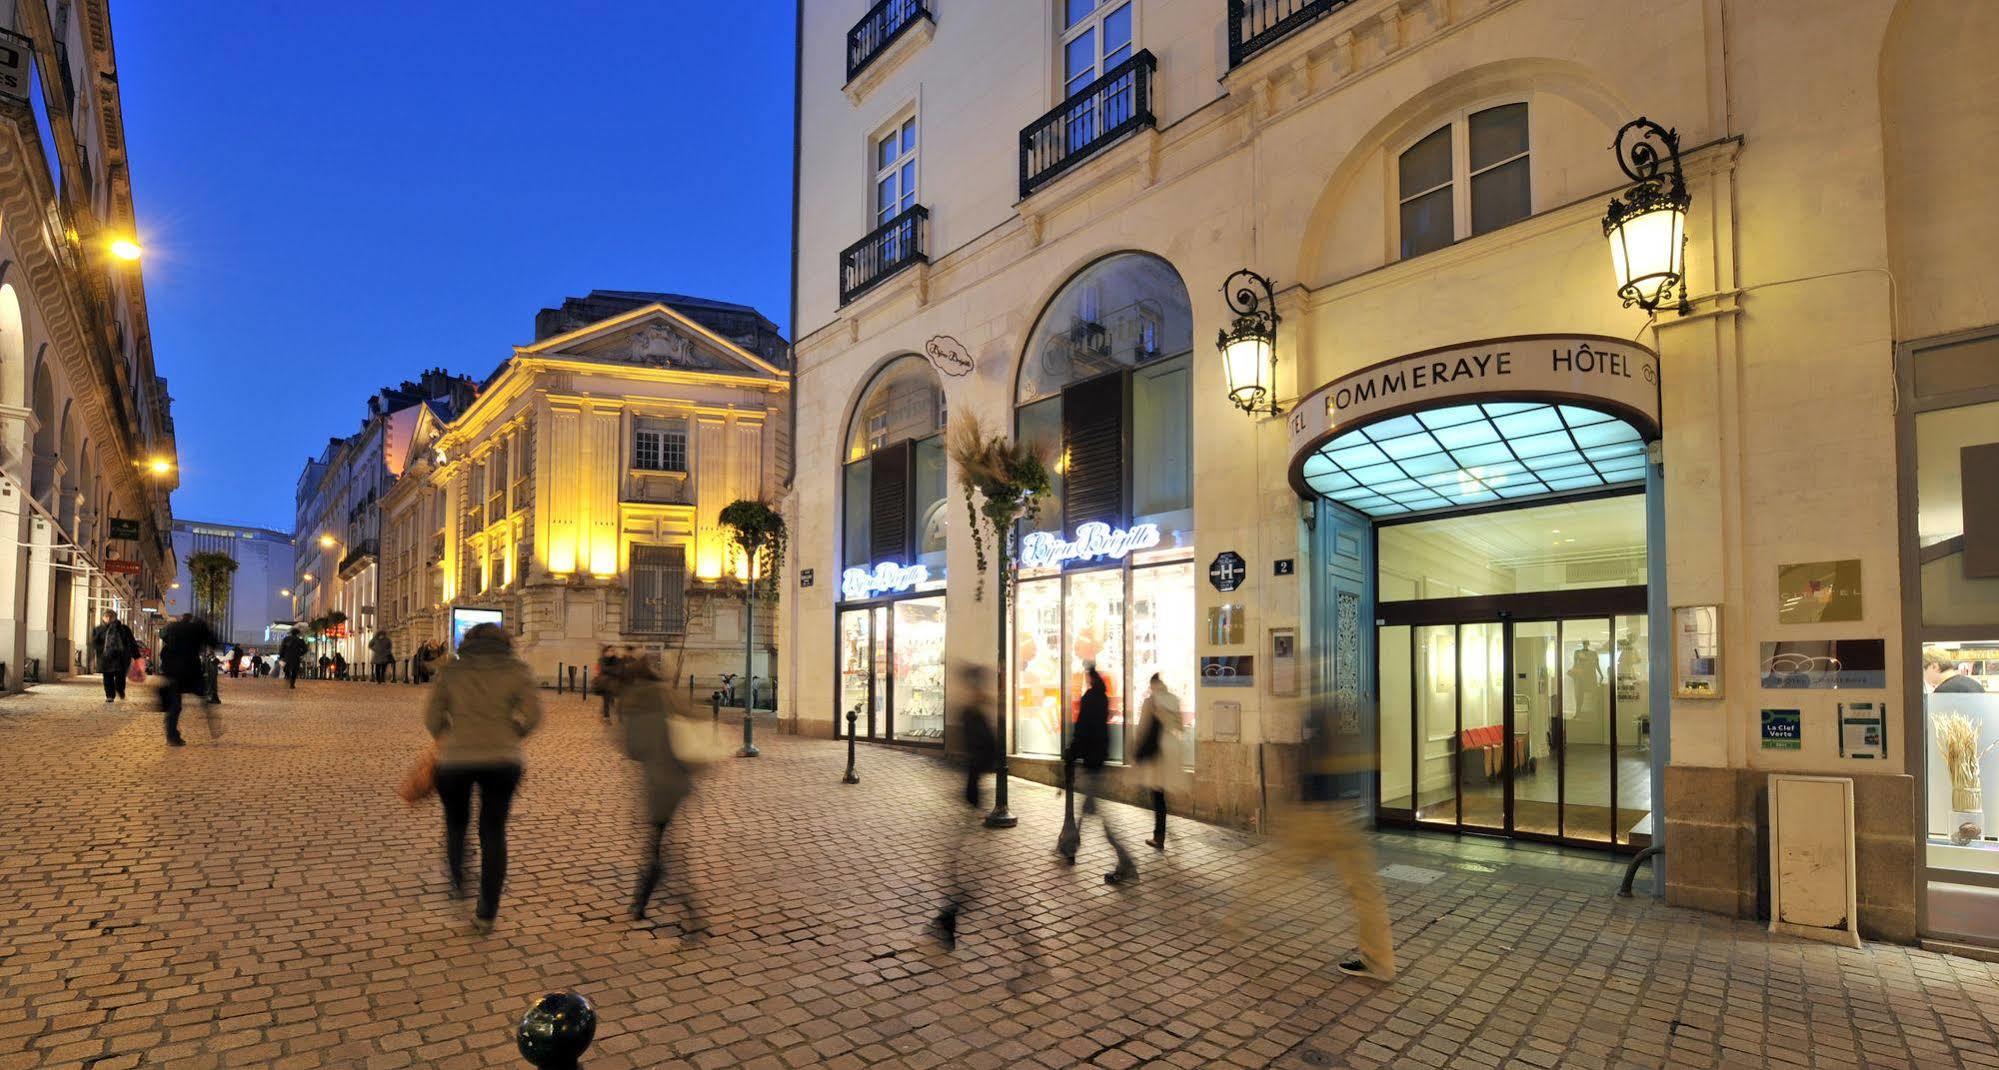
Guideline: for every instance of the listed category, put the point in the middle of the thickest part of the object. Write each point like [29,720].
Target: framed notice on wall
[1697,652]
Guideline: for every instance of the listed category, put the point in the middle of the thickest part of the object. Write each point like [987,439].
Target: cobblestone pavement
[264,900]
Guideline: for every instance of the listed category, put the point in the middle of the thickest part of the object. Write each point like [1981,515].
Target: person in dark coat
[114,647]
[610,668]
[980,755]
[1091,748]
[291,651]
[382,650]
[184,660]
[649,711]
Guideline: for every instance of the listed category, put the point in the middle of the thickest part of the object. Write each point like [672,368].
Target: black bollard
[586,683]
[557,1030]
[558,678]
[853,718]
[749,738]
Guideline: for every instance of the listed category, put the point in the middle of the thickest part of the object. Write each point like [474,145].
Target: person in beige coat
[652,715]
[481,708]
[1161,759]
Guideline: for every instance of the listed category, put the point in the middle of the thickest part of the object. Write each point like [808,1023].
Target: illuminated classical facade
[578,496]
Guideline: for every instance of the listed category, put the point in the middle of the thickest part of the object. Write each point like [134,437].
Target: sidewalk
[264,900]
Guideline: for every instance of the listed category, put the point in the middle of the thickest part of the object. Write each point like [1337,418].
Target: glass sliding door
[856,670]
[1633,682]
[1537,787]
[1396,731]
[1484,742]
[1585,741]
[1095,612]
[878,712]
[1436,742]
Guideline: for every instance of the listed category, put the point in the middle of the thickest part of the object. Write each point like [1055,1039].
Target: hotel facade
[1572,568]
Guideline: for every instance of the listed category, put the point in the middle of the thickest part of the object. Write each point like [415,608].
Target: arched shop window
[890,626]
[893,480]
[1106,575]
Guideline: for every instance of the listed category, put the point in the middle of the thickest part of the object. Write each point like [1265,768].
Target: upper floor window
[1096,36]
[893,482]
[895,170]
[659,445]
[1466,177]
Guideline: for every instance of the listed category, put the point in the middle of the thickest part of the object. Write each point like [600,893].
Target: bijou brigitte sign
[1579,368]
[1043,549]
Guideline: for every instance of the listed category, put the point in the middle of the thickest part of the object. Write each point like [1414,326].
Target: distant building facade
[338,541]
[259,590]
[578,495]
[87,455]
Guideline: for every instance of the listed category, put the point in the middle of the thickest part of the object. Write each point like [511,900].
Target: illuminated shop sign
[1043,549]
[858,584]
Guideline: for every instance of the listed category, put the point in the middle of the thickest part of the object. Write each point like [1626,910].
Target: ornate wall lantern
[1647,227]
[1249,348]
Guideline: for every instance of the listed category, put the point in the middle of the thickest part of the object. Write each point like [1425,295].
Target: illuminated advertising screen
[464,620]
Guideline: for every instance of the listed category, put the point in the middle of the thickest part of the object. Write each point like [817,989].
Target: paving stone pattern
[264,900]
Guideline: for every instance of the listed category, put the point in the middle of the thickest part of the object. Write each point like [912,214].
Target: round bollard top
[557,1030]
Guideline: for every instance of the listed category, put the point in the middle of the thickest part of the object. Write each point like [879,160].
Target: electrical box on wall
[1284,661]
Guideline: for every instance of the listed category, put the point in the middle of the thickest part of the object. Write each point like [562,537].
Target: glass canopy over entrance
[1467,455]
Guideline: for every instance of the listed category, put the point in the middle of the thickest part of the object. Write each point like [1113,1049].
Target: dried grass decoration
[1957,738]
[1009,479]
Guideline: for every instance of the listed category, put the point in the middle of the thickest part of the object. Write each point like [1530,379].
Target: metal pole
[586,683]
[853,720]
[749,658]
[1001,817]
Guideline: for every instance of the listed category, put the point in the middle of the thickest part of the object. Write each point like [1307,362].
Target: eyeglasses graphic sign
[1234,670]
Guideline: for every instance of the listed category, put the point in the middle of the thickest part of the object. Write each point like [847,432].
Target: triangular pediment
[654,336]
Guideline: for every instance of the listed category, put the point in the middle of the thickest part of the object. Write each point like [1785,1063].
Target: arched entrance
[1482,524]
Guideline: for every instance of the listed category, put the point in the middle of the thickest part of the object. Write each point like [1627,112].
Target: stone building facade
[259,589]
[576,500]
[1054,197]
[87,454]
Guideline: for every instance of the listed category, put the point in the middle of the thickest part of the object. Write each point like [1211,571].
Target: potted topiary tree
[758,530]
[1004,482]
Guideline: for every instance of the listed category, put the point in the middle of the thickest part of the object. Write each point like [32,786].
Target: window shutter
[1093,419]
[889,504]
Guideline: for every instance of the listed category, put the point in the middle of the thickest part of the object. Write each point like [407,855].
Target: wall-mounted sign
[860,584]
[1229,670]
[14,69]
[1783,730]
[1863,730]
[1283,661]
[948,355]
[805,577]
[1818,591]
[122,568]
[1613,374]
[121,528]
[1044,549]
[1284,566]
[1825,664]
[1227,570]
[1225,623]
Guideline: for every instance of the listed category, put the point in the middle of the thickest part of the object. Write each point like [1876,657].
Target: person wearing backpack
[114,647]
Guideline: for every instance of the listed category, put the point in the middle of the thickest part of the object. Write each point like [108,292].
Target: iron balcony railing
[886,250]
[1098,114]
[1255,25]
[882,26]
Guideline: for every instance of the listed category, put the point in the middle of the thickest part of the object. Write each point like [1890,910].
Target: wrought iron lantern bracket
[1651,160]
[1256,321]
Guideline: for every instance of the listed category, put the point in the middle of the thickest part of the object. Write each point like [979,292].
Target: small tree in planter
[757,529]
[1004,482]
[214,575]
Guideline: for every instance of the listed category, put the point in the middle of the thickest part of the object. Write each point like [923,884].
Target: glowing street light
[326,542]
[126,248]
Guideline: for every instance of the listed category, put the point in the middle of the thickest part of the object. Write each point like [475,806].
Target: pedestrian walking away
[113,647]
[185,663]
[1090,748]
[481,708]
[291,651]
[1160,758]
[606,684]
[654,716]
[383,650]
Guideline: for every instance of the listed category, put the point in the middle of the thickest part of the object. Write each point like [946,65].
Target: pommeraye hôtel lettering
[1579,368]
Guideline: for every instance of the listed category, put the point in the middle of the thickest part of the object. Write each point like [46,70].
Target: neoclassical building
[1585,540]
[576,500]
[87,456]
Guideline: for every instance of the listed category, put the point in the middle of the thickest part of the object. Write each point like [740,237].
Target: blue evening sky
[334,197]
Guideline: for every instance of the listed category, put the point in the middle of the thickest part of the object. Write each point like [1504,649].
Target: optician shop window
[1105,571]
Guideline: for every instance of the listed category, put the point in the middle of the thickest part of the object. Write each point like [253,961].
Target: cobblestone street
[265,900]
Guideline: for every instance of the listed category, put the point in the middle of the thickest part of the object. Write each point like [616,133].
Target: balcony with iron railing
[883,25]
[886,250]
[1092,119]
[357,558]
[1255,25]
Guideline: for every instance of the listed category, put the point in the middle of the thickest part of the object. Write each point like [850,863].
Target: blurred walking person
[383,650]
[981,755]
[1090,747]
[483,705]
[653,715]
[185,663]
[291,651]
[609,667]
[1160,758]
[113,646]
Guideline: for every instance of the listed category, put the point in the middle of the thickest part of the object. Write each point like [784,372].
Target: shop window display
[919,669]
[1162,637]
[1037,660]
[1961,708]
